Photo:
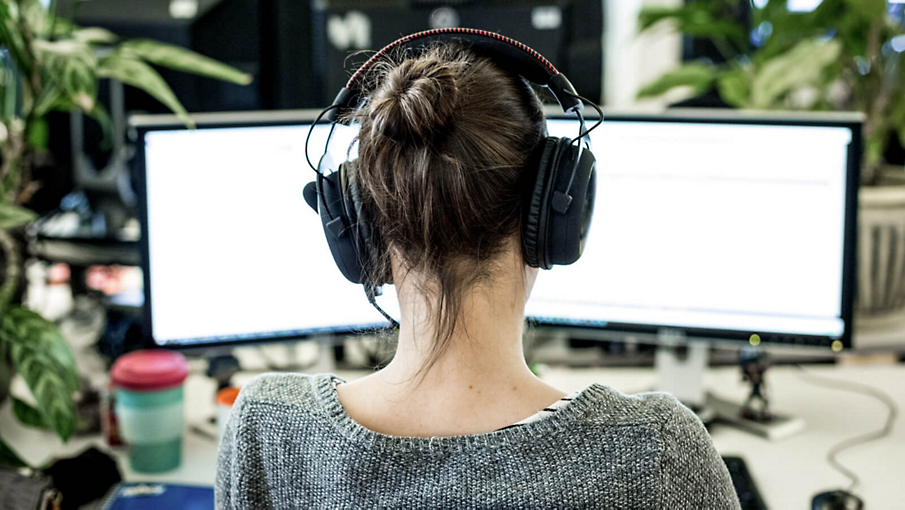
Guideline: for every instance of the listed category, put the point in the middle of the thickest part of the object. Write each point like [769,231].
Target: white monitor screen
[234,252]
[696,225]
[711,226]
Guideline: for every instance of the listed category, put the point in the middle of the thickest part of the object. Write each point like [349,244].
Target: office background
[88,258]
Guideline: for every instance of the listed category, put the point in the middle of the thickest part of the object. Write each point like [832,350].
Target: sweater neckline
[586,400]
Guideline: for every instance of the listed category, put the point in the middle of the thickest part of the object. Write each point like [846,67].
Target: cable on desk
[860,439]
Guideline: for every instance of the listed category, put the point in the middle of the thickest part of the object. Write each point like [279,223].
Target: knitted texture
[290,444]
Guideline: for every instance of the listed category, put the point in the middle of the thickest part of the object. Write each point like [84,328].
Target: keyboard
[745,488]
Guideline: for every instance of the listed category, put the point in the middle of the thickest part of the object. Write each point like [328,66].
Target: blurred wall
[631,60]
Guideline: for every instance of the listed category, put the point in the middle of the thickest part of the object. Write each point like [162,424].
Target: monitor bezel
[143,124]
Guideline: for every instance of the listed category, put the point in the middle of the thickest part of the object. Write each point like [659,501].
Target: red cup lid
[149,370]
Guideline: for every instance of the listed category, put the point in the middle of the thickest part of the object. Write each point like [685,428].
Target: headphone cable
[594,106]
[582,136]
[329,135]
[860,439]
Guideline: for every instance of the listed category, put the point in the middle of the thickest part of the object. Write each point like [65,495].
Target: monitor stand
[680,371]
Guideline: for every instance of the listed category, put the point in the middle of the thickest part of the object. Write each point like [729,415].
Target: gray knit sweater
[290,444]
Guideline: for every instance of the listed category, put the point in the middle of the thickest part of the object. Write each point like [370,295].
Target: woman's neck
[485,350]
[485,346]
[480,381]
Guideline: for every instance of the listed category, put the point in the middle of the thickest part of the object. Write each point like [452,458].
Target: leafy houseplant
[49,64]
[843,55]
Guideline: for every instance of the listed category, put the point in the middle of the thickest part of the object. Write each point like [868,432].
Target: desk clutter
[152,496]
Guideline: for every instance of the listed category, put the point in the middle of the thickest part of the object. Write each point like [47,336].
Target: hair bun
[415,99]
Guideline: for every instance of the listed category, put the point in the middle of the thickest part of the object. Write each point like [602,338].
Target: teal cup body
[151,423]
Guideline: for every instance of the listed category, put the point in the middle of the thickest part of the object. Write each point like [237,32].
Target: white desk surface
[789,472]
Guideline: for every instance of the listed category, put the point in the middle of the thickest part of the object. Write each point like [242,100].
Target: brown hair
[445,142]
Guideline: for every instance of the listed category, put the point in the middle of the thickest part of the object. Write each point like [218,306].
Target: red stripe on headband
[427,33]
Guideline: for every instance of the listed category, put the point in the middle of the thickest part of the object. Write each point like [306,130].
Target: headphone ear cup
[337,227]
[361,226]
[534,234]
[567,228]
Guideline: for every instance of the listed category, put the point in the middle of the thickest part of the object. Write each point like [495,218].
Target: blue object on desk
[142,496]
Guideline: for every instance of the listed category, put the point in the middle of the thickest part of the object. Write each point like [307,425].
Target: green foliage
[802,66]
[72,67]
[40,355]
[734,87]
[696,75]
[52,64]
[12,216]
[839,53]
[181,59]
[28,414]
[94,36]
[696,20]
[139,74]
[8,457]
[38,135]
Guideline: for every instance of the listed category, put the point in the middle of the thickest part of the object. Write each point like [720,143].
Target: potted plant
[843,55]
[50,64]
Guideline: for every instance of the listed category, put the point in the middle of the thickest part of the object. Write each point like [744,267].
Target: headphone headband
[508,53]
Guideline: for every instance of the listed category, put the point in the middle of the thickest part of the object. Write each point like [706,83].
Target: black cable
[310,129]
[372,298]
[581,125]
[860,439]
[594,106]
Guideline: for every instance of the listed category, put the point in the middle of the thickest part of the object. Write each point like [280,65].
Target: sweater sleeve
[225,483]
[691,472]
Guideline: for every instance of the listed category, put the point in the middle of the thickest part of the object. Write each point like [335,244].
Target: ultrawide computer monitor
[715,226]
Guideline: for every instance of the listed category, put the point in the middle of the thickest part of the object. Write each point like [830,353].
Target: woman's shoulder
[689,470]
[651,409]
[282,389]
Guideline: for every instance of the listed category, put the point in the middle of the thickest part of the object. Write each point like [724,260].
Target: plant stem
[11,279]
[54,4]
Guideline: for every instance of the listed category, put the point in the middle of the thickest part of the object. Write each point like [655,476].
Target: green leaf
[874,147]
[20,326]
[12,216]
[42,22]
[802,66]
[868,9]
[43,359]
[38,134]
[8,457]
[73,67]
[27,414]
[142,76]
[650,16]
[95,35]
[734,87]
[696,75]
[181,59]
[50,99]
[694,20]
[11,37]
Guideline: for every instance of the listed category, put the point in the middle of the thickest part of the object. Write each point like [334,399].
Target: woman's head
[445,145]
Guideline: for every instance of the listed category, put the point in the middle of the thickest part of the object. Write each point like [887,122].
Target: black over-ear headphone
[562,199]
